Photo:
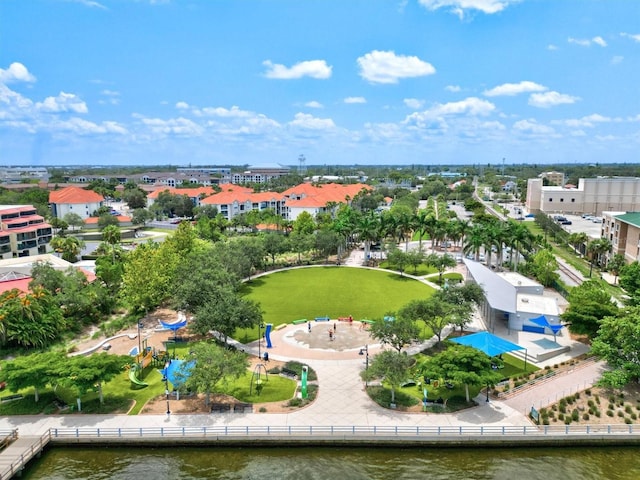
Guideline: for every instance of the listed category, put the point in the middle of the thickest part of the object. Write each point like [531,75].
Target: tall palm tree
[368,230]
[474,241]
[596,249]
[421,221]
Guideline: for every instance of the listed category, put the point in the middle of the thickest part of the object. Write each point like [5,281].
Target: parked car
[566,222]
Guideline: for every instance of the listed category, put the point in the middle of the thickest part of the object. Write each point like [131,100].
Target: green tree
[107,220]
[415,258]
[396,258]
[435,312]
[274,244]
[140,216]
[615,265]
[618,342]
[396,333]
[327,242]
[589,303]
[69,247]
[630,281]
[225,313]
[441,262]
[30,320]
[304,224]
[461,364]
[214,365]
[301,243]
[595,250]
[74,220]
[83,373]
[37,370]
[544,266]
[134,197]
[392,367]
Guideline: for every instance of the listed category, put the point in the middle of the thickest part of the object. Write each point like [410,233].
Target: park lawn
[515,366]
[275,388]
[329,291]
[420,271]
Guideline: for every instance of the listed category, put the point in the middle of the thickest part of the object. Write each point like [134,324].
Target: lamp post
[139,339]
[259,339]
[365,351]
[166,386]
[487,392]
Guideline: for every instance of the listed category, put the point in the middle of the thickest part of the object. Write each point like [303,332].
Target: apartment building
[23,232]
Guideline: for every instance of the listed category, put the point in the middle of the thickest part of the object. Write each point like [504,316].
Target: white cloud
[552,47]
[550,99]
[588,121]
[452,88]
[634,37]
[313,104]
[182,106]
[310,68]
[617,59]
[112,97]
[387,67]
[233,112]
[532,127]
[434,117]
[173,126]
[355,100]
[91,3]
[586,42]
[413,103]
[16,72]
[460,6]
[510,89]
[64,102]
[304,120]
[599,41]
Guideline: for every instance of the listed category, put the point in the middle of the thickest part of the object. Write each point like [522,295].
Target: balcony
[25,236]
[28,244]
[44,240]
[44,231]
[5,249]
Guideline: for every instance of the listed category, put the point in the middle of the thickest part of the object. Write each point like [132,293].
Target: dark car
[566,222]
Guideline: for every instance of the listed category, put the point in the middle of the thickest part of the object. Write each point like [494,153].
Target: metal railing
[355,432]
[31,451]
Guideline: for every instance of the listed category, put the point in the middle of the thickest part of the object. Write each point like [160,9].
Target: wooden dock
[19,452]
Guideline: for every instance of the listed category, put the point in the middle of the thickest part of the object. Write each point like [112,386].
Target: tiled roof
[189,192]
[229,197]
[94,220]
[319,196]
[74,195]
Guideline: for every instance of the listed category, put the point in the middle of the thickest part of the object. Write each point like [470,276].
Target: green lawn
[336,292]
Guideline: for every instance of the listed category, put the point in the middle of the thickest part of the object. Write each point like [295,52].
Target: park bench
[220,407]
[287,372]
[322,319]
[300,321]
[9,398]
[243,407]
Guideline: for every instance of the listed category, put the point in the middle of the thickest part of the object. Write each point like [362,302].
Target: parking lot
[586,225]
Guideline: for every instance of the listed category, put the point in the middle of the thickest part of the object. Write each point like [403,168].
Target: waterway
[617,463]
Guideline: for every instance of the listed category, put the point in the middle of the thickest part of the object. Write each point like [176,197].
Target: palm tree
[368,230]
[595,249]
[421,221]
[474,241]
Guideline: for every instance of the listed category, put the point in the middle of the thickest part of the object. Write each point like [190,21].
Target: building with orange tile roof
[235,201]
[319,199]
[194,194]
[23,232]
[74,200]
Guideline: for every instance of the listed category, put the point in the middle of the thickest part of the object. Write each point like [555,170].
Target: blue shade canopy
[543,322]
[175,366]
[173,326]
[488,343]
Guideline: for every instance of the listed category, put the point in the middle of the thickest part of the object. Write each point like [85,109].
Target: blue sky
[130,82]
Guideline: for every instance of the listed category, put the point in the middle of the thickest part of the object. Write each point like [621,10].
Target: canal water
[336,463]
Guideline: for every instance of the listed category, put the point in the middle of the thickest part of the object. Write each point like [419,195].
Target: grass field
[335,292]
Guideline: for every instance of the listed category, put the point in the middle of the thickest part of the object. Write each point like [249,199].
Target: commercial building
[592,196]
[622,229]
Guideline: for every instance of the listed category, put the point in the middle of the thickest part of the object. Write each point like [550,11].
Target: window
[561,200]
[573,200]
[551,199]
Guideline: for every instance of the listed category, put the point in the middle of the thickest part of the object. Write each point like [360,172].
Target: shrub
[612,399]
[597,397]
[561,416]
[262,410]
[585,416]
[610,413]
[591,403]
[628,409]
[598,413]
[588,391]
[628,421]
[577,395]
[634,416]
[575,415]
[295,402]
[567,420]
[620,413]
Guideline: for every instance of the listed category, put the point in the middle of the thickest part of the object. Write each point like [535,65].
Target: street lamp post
[166,386]
[365,351]
[259,339]
[139,339]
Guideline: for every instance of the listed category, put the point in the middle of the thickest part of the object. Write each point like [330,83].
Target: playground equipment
[134,369]
[175,326]
[303,388]
[267,334]
[256,378]
[177,371]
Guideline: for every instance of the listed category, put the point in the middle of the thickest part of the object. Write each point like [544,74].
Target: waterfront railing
[362,432]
